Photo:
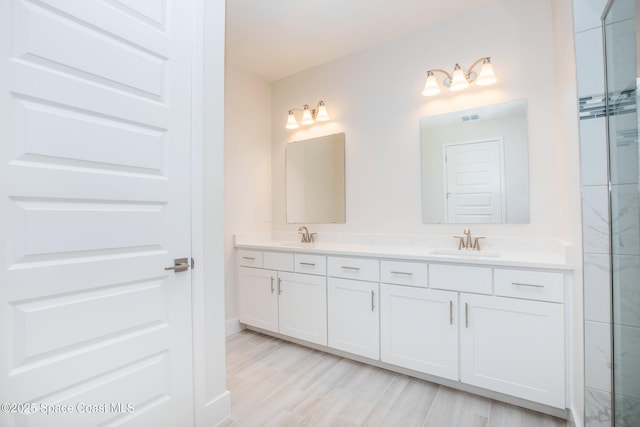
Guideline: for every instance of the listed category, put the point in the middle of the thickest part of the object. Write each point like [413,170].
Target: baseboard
[233,326]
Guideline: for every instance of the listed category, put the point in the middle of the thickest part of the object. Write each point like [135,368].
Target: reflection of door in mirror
[474,181]
[506,122]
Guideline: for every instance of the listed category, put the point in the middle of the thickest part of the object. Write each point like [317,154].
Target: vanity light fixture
[309,116]
[460,80]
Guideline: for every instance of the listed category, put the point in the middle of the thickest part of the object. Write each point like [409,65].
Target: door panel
[59,134]
[513,346]
[353,316]
[94,203]
[419,329]
[302,307]
[258,298]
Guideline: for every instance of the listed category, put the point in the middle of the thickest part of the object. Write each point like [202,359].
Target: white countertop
[533,253]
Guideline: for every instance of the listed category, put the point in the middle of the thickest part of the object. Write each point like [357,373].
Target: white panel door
[513,346]
[94,203]
[419,329]
[474,179]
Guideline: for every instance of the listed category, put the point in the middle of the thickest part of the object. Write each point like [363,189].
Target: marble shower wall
[621,54]
[610,225]
[595,211]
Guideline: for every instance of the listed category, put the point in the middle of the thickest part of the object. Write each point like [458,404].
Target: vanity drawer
[460,278]
[536,285]
[354,268]
[249,258]
[311,264]
[278,261]
[404,273]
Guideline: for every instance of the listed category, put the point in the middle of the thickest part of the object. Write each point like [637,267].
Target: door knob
[179,265]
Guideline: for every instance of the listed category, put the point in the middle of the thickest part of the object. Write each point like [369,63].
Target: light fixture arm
[314,111]
[438,70]
[471,75]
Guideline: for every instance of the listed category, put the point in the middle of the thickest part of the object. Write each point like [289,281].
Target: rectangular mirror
[475,165]
[315,180]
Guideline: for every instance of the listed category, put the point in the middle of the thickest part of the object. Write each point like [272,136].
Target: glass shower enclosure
[620,26]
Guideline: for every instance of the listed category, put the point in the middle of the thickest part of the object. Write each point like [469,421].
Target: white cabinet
[354,268]
[513,346]
[510,341]
[257,298]
[419,329]
[477,280]
[303,306]
[248,258]
[353,315]
[353,305]
[500,329]
[527,284]
[310,264]
[404,273]
[289,303]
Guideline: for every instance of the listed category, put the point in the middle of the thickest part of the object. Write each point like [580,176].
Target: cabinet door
[303,306]
[419,329]
[514,347]
[354,317]
[258,300]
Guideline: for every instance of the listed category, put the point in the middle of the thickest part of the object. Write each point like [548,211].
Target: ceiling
[278,38]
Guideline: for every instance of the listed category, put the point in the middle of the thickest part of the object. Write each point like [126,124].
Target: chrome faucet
[306,236]
[467,242]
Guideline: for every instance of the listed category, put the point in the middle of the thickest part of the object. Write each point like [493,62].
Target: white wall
[247,165]
[374,96]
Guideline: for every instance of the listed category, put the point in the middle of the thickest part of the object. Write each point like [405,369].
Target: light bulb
[431,87]
[322,115]
[292,123]
[487,76]
[458,81]
[307,118]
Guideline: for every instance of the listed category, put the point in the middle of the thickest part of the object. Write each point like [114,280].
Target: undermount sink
[466,253]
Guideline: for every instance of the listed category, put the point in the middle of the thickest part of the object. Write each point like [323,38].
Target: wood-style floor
[277,383]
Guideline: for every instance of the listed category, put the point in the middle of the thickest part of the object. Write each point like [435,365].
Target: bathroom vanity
[491,322]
